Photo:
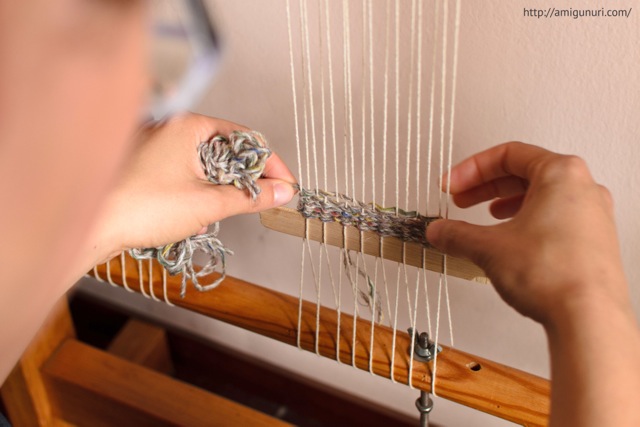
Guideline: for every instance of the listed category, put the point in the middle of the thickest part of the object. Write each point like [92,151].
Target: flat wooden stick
[290,221]
[461,377]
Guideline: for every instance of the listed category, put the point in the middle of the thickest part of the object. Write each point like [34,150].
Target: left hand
[163,195]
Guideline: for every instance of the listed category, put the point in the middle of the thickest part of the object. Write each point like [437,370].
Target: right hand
[558,250]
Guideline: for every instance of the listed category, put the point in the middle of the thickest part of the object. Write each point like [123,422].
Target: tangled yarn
[238,160]
[334,207]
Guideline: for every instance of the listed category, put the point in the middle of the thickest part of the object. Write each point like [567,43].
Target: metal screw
[423,340]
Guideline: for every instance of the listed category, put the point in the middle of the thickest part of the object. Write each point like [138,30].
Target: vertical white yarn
[414,325]
[123,269]
[363,165]
[324,155]
[367,83]
[432,99]
[164,288]
[336,296]
[331,94]
[299,158]
[363,104]
[309,87]
[323,244]
[363,173]
[385,119]
[443,97]
[454,79]
[96,275]
[406,283]
[407,168]
[373,315]
[426,290]
[343,254]
[346,90]
[371,103]
[373,181]
[305,93]
[327,33]
[141,279]
[447,300]
[395,326]
[153,295]
[384,280]
[317,283]
[109,279]
[307,168]
[354,287]
[397,171]
[293,91]
[347,44]
[435,359]
[397,103]
[419,112]
[414,322]
[372,294]
[322,101]
[339,308]
[449,161]
[298,337]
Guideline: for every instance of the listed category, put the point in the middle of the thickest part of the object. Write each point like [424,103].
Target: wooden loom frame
[464,378]
[61,380]
[59,366]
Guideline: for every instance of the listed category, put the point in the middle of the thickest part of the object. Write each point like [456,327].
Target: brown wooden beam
[464,378]
[143,343]
[91,387]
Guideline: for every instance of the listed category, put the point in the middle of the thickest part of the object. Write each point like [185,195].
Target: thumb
[274,193]
[230,201]
[460,239]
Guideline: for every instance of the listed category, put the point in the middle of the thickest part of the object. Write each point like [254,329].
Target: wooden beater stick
[290,221]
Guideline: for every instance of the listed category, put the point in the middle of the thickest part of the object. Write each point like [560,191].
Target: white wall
[568,85]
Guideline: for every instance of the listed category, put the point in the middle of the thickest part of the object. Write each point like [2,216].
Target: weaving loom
[364,295]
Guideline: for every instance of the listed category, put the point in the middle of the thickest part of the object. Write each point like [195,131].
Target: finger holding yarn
[240,160]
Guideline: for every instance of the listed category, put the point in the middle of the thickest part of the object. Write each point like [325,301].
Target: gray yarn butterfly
[239,160]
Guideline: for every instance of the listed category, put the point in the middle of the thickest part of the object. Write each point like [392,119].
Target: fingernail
[282,193]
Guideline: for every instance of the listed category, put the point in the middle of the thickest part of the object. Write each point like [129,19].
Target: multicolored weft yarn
[239,160]
[389,222]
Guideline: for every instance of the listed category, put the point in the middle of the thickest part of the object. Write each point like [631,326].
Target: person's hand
[559,248]
[163,195]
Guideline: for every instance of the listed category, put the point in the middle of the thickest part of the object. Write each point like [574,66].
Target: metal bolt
[423,340]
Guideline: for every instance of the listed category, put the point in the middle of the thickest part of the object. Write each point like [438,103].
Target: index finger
[276,168]
[509,159]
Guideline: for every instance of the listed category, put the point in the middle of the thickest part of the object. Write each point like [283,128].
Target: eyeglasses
[185,55]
